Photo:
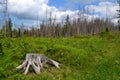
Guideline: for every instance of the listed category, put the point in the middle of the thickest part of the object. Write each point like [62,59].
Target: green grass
[82,58]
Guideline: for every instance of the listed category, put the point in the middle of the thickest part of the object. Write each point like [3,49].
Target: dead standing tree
[4,4]
[36,61]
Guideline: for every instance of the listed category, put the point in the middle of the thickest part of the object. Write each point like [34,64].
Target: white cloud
[27,9]
[84,1]
[31,9]
[115,21]
[104,8]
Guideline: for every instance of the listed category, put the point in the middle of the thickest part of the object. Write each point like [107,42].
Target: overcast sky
[27,11]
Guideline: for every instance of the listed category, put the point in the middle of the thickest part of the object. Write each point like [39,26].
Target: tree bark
[36,61]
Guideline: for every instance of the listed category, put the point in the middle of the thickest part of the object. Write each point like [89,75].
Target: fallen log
[36,61]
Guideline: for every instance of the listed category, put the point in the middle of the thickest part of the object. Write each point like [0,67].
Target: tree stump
[36,61]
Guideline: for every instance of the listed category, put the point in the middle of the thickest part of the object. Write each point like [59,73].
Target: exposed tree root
[36,61]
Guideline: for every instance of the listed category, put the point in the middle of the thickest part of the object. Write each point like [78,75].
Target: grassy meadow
[82,57]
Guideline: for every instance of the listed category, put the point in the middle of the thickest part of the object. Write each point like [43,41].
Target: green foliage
[119,27]
[1,49]
[106,35]
[66,28]
[118,1]
[82,58]
[106,29]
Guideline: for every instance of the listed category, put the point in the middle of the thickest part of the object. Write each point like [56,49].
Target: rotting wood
[36,61]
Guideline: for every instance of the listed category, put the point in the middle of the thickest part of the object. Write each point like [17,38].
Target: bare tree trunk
[36,61]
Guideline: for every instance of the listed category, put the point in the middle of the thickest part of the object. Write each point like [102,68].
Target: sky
[29,11]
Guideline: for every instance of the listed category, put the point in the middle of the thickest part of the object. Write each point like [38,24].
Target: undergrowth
[82,58]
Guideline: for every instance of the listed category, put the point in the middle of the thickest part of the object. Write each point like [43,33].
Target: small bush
[106,29]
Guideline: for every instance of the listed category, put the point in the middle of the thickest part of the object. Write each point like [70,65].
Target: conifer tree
[118,15]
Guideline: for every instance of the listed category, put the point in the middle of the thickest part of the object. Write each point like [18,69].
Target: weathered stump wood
[36,61]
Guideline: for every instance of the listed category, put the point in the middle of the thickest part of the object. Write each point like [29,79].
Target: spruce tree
[118,15]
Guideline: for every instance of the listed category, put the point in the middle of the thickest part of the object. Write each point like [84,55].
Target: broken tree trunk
[36,61]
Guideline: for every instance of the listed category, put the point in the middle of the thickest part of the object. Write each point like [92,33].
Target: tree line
[51,28]
[76,27]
